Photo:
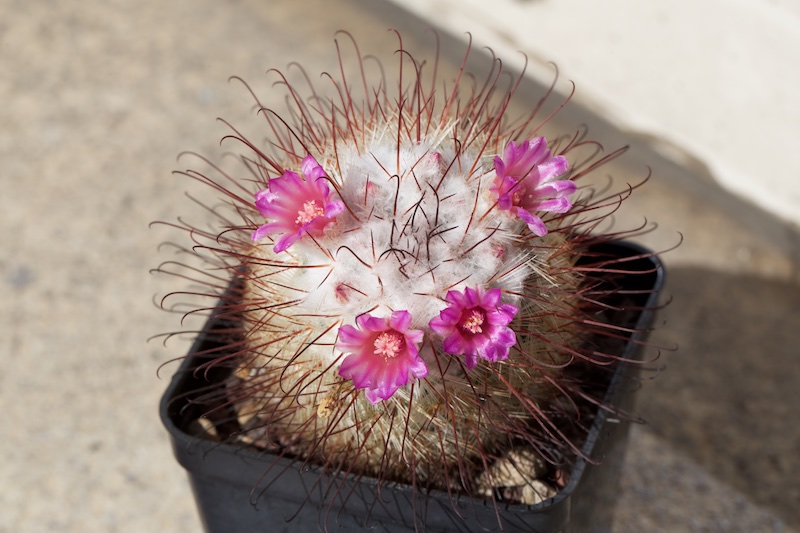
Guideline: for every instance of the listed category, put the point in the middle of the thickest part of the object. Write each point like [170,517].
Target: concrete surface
[100,97]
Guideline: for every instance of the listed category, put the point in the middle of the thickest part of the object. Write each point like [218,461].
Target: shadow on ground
[728,398]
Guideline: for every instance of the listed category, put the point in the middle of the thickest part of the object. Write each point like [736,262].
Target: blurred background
[99,98]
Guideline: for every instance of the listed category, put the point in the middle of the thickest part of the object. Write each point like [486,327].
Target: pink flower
[296,206]
[382,354]
[525,182]
[475,324]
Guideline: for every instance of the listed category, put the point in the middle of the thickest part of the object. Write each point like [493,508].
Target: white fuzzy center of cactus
[420,232]
[421,221]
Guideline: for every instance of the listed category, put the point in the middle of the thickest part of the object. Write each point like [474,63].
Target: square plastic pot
[244,490]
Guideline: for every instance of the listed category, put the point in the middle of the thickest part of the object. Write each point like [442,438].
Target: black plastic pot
[240,490]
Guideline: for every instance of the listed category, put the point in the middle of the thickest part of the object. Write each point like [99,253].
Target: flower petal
[534,223]
[453,344]
[334,209]
[491,298]
[284,242]
[400,320]
[418,368]
[471,361]
[556,205]
[553,167]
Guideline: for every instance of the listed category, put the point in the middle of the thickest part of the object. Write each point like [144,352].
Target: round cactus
[408,298]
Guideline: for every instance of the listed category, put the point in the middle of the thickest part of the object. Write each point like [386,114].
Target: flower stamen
[388,344]
[310,211]
[474,322]
[517,196]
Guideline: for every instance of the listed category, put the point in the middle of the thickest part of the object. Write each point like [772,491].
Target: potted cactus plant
[414,322]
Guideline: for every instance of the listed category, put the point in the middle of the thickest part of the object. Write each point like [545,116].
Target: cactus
[409,299]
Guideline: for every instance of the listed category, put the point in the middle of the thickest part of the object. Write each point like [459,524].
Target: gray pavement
[98,100]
